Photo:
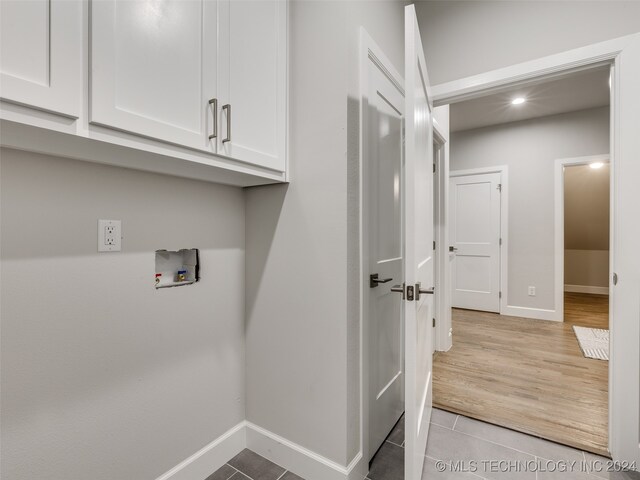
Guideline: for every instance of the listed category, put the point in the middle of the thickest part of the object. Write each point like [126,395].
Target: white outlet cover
[109,235]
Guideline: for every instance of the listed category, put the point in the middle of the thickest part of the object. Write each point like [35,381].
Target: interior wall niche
[177,268]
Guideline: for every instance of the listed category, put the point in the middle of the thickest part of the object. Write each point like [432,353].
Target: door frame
[624,363]
[503,170]
[369,51]
[442,277]
[558,205]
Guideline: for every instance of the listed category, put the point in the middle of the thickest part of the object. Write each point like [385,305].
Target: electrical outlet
[109,235]
[532,291]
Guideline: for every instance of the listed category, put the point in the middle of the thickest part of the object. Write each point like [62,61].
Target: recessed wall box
[177,268]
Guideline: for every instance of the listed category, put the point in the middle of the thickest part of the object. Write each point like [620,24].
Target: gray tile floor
[459,448]
[464,448]
[251,466]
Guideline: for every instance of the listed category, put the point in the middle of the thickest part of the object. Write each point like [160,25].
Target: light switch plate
[109,235]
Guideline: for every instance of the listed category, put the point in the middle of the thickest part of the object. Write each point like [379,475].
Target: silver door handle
[227,107]
[423,291]
[453,249]
[374,280]
[214,102]
[398,289]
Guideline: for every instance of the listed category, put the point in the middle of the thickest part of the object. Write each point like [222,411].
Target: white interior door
[474,204]
[419,254]
[383,120]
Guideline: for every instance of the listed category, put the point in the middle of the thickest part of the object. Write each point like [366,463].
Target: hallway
[528,375]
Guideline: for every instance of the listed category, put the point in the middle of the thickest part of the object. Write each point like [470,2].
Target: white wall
[303,347]
[296,252]
[530,148]
[104,377]
[463,38]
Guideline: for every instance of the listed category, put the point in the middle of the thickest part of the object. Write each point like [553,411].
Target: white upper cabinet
[193,88]
[41,54]
[253,81]
[153,68]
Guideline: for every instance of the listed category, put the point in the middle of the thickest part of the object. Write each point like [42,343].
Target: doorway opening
[584,234]
[516,360]
[621,56]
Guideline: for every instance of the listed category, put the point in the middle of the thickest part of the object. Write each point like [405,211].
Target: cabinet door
[153,68]
[41,54]
[253,78]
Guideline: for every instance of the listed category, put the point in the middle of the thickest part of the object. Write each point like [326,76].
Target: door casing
[443,329]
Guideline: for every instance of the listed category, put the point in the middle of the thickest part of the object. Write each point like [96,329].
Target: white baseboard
[291,456]
[211,457]
[535,313]
[301,461]
[586,289]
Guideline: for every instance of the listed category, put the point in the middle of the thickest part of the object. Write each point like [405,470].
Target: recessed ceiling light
[596,165]
[518,101]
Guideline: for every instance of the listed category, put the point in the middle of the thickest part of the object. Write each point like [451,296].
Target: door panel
[390,122]
[475,232]
[473,219]
[418,241]
[253,81]
[41,54]
[153,68]
[382,152]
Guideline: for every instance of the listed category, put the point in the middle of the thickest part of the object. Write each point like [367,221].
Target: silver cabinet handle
[214,102]
[227,107]
[374,280]
[453,249]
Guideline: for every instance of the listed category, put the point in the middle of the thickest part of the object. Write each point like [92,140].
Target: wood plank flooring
[528,375]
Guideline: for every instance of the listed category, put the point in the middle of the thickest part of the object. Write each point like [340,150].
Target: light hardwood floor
[528,375]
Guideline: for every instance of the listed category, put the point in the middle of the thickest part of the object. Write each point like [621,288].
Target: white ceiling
[578,91]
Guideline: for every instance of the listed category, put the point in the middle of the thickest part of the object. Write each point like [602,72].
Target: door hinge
[409,293]
[500,242]
[499,294]
[434,168]
[434,323]
[434,244]
[499,187]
